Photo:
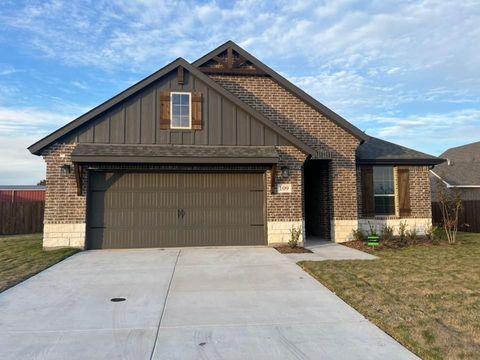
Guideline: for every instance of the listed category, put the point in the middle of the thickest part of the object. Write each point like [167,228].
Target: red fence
[469,216]
[21,217]
[22,195]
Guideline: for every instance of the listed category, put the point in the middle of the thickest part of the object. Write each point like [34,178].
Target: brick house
[222,151]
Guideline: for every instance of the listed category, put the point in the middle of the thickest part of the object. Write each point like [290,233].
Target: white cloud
[20,128]
[433,132]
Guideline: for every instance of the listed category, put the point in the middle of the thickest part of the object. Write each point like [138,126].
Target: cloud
[432,132]
[20,128]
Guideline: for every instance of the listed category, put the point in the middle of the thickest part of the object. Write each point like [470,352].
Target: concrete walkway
[218,303]
[327,250]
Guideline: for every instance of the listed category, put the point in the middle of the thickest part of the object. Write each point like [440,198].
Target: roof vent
[449,162]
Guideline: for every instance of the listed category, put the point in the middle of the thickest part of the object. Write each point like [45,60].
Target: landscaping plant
[387,233]
[358,235]
[294,236]
[451,204]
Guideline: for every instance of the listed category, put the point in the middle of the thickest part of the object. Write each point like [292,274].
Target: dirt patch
[288,250]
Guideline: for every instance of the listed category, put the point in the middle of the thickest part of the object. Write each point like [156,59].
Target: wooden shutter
[197,111]
[404,191]
[165,110]
[368,201]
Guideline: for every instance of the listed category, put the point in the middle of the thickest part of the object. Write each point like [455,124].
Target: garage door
[142,210]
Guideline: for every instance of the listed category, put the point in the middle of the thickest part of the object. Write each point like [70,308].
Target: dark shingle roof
[174,154]
[377,151]
[462,166]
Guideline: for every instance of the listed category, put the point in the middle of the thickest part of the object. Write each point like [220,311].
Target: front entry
[148,210]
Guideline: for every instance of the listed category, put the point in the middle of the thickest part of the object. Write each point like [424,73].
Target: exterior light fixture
[285,171]
[66,169]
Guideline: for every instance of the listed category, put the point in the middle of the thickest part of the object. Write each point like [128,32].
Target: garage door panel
[127,210]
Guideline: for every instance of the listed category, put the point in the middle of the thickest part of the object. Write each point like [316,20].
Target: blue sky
[406,71]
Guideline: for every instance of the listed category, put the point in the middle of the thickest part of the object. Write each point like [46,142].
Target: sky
[405,71]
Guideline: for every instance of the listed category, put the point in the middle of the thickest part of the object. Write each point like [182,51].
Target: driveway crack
[164,305]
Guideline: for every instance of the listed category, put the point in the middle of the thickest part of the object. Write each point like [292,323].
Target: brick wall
[291,113]
[62,205]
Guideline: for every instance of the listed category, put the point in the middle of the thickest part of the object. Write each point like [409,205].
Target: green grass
[426,297]
[22,256]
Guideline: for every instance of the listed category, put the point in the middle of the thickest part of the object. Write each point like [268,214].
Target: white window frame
[394,195]
[189,110]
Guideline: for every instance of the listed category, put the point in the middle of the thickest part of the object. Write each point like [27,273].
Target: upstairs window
[181,114]
[384,190]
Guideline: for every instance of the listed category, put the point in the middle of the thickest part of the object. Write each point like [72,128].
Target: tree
[42,182]
[451,204]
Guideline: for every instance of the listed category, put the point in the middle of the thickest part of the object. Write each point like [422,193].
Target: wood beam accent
[220,61]
[239,61]
[273,176]
[78,178]
[229,58]
[180,75]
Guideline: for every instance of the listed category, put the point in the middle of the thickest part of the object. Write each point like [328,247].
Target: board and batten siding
[137,120]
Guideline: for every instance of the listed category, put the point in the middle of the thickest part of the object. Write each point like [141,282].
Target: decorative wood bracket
[229,62]
[273,176]
[180,75]
[78,178]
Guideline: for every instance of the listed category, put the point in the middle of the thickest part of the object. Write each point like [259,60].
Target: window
[181,115]
[384,190]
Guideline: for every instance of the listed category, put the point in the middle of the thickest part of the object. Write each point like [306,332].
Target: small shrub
[294,236]
[434,233]
[387,233]
[373,230]
[358,235]
[412,234]
[402,232]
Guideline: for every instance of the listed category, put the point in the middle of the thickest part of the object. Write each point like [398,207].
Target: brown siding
[137,120]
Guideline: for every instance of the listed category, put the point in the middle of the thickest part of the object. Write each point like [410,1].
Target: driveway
[194,303]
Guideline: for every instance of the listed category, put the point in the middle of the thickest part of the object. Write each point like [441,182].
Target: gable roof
[462,168]
[37,147]
[337,119]
[377,151]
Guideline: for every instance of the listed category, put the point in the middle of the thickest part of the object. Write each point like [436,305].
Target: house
[222,151]
[460,171]
[22,193]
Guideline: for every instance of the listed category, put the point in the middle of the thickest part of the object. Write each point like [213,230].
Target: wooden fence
[21,217]
[469,217]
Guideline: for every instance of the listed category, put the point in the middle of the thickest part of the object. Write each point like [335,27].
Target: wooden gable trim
[267,71]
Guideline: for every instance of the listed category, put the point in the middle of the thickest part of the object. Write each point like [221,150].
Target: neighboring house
[223,151]
[461,171]
[22,193]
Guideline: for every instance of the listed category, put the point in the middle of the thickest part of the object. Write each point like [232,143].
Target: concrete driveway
[197,303]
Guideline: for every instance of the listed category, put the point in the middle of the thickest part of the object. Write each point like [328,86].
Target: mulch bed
[285,249]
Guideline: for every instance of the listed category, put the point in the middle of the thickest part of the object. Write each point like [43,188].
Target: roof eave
[415,162]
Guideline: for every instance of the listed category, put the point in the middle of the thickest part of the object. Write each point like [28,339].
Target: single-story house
[222,151]
[460,171]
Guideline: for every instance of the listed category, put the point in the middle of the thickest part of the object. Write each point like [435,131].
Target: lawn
[22,256]
[426,297]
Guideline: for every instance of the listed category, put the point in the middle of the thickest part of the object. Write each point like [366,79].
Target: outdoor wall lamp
[285,171]
[66,169]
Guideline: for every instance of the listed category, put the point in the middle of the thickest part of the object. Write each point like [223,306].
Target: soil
[285,249]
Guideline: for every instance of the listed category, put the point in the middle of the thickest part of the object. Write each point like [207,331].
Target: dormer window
[180,107]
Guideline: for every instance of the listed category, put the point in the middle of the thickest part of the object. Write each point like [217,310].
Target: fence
[21,217]
[469,216]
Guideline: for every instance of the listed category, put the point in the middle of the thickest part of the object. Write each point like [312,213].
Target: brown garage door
[141,210]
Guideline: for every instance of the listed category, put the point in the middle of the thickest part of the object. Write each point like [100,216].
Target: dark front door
[142,210]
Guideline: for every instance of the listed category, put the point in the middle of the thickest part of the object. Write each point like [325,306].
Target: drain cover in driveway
[117,299]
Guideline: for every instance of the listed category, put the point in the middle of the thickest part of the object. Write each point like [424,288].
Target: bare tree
[451,204]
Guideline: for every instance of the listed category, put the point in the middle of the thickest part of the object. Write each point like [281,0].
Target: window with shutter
[181,110]
[384,190]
